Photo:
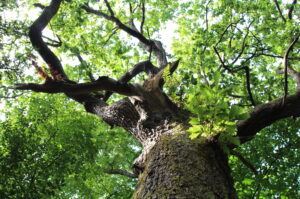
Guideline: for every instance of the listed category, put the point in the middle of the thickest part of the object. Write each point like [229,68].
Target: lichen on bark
[178,167]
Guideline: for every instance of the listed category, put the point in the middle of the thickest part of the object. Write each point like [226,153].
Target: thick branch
[120,113]
[38,5]
[35,34]
[103,83]
[266,114]
[145,66]
[290,12]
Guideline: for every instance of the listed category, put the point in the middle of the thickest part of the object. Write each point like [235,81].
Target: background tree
[237,58]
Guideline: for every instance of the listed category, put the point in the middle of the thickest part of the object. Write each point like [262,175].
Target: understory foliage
[232,59]
[49,148]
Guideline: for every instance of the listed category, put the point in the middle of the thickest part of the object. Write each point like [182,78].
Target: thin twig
[286,66]
[279,10]
[244,161]
[242,67]
[143,17]
[243,44]
[111,35]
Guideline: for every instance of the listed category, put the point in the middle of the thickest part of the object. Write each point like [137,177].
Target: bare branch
[273,56]
[148,44]
[109,8]
[246,68]
[247,73]
[122,26]
[145,66]
[244,161]
[266,114]
[102,83]
[120,172]
[38,5]
[286,67]
[111,35]
[225,31]
[294,74]
[290,12]
[243,44]
[279,10]
[35,34]
[143,17]
[10,97]
[235,96]
[92,78]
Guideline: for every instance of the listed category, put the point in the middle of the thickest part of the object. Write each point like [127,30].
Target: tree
[225,84]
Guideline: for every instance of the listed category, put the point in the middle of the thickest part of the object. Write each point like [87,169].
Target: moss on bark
[178,167]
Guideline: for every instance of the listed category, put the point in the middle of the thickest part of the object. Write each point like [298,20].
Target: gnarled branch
[102,83]
[266,114]
[145,66]
[35,34]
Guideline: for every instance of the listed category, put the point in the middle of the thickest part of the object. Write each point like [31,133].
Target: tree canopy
[237,77]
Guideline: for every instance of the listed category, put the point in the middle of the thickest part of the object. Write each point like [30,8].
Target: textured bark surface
[171,165]
[178,167]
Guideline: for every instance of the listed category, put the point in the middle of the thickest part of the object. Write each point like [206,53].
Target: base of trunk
[178,167]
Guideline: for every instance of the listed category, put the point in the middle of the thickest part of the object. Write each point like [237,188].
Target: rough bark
[178,167]
[171,165]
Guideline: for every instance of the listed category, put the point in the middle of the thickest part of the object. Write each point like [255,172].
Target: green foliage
[274,153]
[51,147]
[213,113]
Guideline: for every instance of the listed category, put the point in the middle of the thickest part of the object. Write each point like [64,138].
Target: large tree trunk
[178,167]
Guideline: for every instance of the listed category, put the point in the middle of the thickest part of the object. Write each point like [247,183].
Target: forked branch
[145,66]
[122,26]
[148,44]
